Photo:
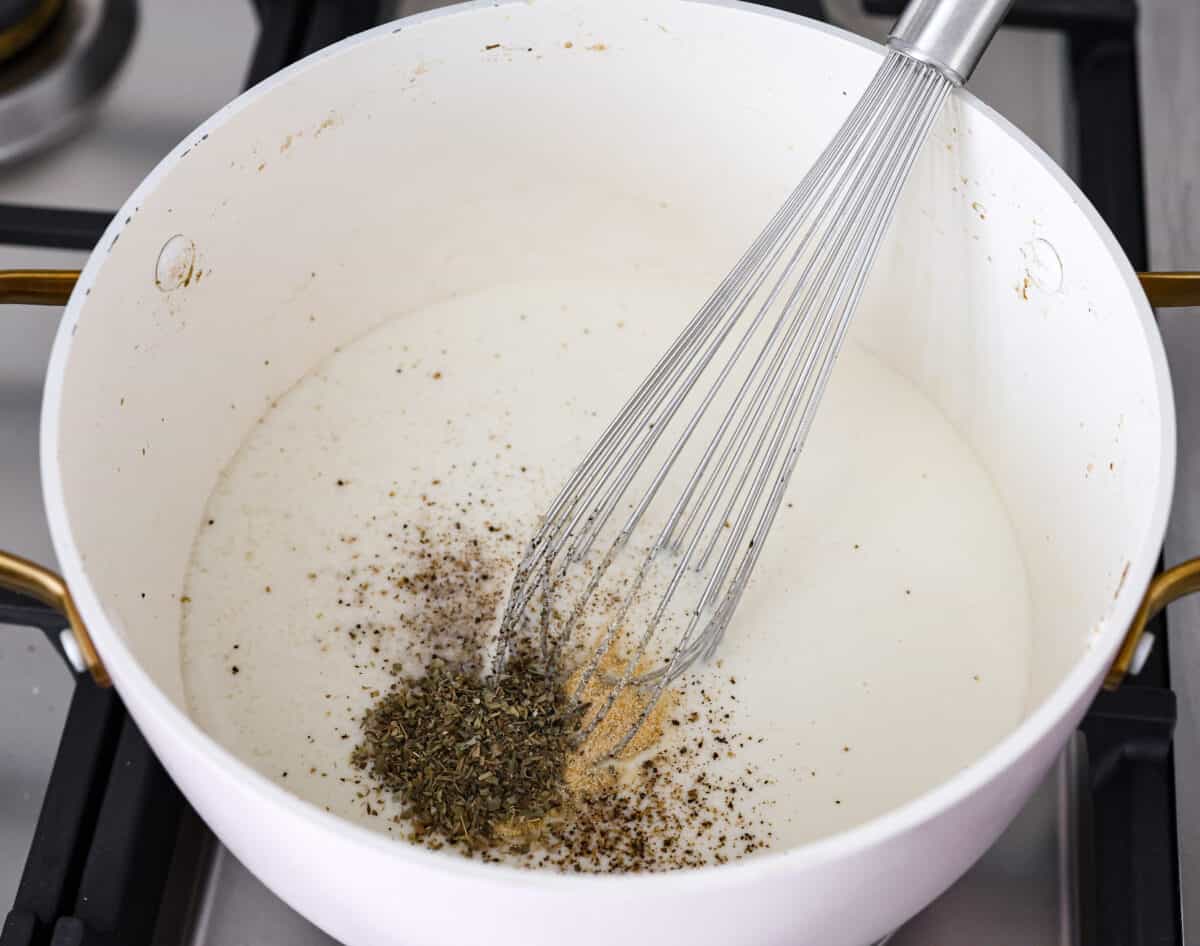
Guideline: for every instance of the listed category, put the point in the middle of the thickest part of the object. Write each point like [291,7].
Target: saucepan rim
[139,690]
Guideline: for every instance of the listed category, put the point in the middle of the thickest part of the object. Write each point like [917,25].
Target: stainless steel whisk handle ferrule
[950,35]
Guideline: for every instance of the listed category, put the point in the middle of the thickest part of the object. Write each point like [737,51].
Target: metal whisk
[724,414]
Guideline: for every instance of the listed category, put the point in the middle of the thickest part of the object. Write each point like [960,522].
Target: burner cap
[70,51]
[23,21]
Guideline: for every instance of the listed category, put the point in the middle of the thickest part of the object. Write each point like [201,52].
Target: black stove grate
[112,822]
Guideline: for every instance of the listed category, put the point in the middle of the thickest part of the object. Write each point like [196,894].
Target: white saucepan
[517,140]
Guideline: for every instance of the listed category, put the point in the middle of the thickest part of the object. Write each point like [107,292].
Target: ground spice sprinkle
[448,757]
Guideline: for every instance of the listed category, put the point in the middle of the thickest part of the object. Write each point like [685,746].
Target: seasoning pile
[492,766]
[471,756]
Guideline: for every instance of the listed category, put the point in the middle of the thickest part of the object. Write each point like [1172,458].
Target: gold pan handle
[46,287]
[25,578]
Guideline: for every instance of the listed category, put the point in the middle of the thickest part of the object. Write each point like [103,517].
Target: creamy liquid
[883,643]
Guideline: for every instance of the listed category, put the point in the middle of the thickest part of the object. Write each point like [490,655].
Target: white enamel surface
[400,168]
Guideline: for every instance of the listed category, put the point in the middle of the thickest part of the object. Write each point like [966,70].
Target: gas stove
[96,843]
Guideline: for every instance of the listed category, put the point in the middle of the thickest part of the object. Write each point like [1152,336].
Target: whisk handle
[948,34]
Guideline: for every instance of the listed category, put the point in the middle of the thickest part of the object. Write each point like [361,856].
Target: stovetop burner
[57,59]
[22,22]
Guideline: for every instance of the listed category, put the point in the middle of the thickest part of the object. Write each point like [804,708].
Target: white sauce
[883,644]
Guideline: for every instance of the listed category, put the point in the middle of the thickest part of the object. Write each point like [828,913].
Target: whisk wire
[930,97]
[864,191]
[790,218]
[865,238]
[694,334]
[793,292]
